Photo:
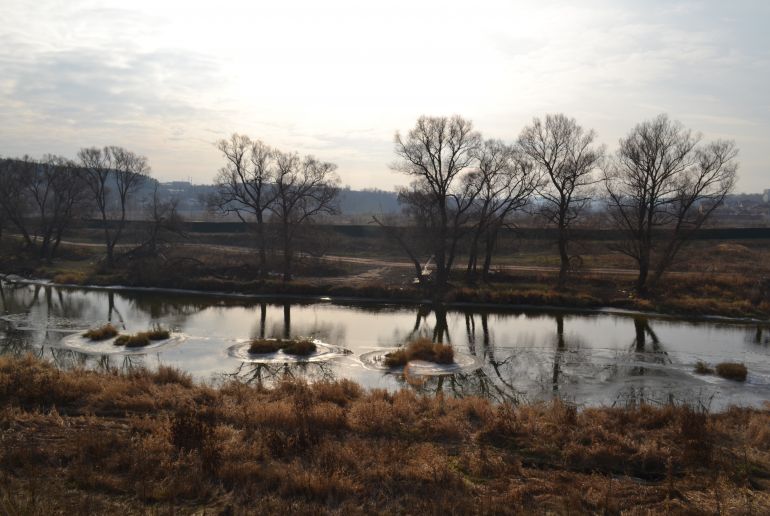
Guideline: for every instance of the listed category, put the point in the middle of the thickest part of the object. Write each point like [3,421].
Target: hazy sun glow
[338,78]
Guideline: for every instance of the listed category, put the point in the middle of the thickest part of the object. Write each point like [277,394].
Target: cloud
[338,79]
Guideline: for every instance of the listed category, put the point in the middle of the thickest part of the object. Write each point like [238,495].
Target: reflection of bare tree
[262,319]
[561,346]
[267,374]
[460,385]
[441,330]
[759,335]
[286,321]
[111,308]
[656,355]
[635,396]
[16,342]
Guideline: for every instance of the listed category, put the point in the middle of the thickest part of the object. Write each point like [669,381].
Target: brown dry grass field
[84,442]
[710,278]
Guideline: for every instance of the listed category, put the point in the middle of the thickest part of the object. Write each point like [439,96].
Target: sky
[337,79]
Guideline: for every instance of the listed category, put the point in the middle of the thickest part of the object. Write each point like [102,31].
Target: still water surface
[588,359]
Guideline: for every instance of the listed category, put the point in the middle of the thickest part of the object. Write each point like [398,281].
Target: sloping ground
[86,442]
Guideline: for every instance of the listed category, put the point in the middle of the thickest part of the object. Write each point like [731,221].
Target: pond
[588,358]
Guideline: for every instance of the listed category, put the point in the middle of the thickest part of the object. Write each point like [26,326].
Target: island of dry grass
[732,371]
[421,349]
[105,332]
[144,338]
[297,346]
[80,442]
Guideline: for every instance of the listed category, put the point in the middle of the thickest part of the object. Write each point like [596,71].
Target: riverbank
[152,441]
[216,270]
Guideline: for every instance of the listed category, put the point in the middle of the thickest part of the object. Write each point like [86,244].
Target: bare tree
[565,154]
[245,185]
[304,188]
[15,203]
[662,185]
[57,190]
[164,221]
[436,152]
[41,199]
[103,169]
[506,181]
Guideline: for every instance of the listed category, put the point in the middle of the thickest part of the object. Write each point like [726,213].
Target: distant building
[766,196]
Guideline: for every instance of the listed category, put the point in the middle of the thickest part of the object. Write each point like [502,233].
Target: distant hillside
[353,203]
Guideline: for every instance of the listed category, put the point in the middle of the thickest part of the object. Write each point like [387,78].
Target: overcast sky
[337,78]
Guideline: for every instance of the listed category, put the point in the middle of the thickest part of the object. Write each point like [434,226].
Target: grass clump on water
[105,332]
[299,346]
[144,338]
[421,349]
[732,371]
[703,368]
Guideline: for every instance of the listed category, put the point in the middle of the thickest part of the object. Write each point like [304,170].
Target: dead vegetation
[732,371]
[154,442]
[703,368]
[105,332]
[421,349]
[299,346]
[143,338]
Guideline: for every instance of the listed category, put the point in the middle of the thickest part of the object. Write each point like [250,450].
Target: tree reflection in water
[266,375]
[655,355]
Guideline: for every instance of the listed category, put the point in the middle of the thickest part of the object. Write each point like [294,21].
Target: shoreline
[388,301]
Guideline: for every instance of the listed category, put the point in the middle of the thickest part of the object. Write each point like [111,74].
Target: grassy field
[711,277]
[83,442]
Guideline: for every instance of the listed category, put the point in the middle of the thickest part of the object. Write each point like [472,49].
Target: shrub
[421,349]
[301,347]
[703,368]
[158,333]
[732,371]
[143,338]
[133,341]
[105,332]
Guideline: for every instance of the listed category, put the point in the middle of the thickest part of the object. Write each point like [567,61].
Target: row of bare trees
[659,187]
[41,199]
[259,182]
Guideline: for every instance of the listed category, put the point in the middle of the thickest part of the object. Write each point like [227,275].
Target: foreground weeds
[154,442]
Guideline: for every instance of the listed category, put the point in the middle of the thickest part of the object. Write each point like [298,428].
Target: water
[585,358]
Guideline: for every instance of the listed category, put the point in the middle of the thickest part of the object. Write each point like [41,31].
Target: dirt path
[383,263]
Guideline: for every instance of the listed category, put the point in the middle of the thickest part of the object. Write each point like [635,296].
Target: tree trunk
[261,244]
[470,272]
[286,254]
[564,257]
[490,245]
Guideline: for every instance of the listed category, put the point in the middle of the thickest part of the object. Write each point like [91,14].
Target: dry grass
[421,349]
[703,368]
[105,332]
[143,338]
[83,442]
[299,346]
[732,371]
[137,340]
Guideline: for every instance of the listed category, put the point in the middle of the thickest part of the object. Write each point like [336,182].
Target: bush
[703,368]
[300,347]
[133,341]
[157,333]
[732,371]
[421,349]
[105,332]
